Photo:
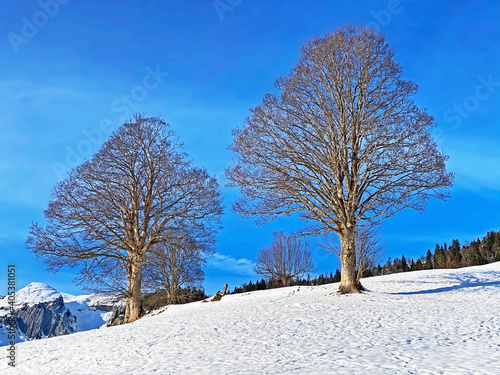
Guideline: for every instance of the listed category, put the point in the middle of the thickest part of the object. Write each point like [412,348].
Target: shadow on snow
[463,284]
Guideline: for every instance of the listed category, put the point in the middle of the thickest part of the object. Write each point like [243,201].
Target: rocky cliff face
[45,319]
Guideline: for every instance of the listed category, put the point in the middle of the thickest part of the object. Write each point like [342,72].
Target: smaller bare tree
[171,266]
[369,248]
[284,259]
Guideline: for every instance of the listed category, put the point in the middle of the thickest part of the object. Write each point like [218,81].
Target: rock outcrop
[45,319]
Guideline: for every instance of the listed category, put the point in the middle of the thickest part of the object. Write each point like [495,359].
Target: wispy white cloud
[476,170]
[241,266]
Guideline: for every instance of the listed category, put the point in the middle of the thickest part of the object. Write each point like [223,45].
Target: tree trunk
[133,306]
[360,272]
[286,280]
[360,269]
[172,295]
[348,275]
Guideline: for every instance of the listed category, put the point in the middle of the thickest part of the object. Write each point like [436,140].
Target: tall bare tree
[284,259]
[114,208]
[342,143]
[174,265]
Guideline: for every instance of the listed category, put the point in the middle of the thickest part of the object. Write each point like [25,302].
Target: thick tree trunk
[133,306]
[348,275]
[286,280]
[172,295]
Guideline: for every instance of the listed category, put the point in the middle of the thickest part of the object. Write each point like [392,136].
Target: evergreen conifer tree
[439,259]
[454,254]
[476,258]
[428,260]
[418,265]
[404,265]
[336,278]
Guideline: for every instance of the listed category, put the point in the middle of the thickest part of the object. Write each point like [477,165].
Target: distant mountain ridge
[42,311]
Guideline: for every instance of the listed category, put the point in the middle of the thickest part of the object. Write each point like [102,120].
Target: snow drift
[425,322]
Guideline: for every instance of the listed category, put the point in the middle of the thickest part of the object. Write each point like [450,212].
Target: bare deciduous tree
[342,144]
[112,209]
[284,260]
[174,265]
[369,248]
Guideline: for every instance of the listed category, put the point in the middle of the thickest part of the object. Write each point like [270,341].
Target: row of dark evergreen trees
[274,283]
[153,301]
[472,253]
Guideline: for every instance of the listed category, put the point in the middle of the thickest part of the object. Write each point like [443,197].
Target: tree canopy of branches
[129,197]
[342,143]
[284,259]
[174,265]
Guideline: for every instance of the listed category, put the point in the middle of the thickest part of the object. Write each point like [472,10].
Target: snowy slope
[426,322]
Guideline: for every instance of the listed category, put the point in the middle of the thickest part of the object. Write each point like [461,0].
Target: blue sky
[72,71]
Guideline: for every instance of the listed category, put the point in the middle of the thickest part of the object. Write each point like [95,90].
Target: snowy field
[426,322]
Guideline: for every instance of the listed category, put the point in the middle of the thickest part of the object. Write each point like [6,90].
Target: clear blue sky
[72,71]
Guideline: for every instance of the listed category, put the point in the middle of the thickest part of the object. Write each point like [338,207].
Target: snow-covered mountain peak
[36,293]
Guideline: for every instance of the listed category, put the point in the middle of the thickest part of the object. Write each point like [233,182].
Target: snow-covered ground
[426,322]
